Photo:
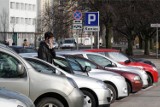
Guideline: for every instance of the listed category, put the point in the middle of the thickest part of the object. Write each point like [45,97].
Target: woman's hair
[48,35]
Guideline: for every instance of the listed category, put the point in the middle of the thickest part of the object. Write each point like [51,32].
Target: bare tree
[4,22]
[107,15]
[58,19]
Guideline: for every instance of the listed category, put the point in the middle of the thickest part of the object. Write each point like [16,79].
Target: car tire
[129,88]
[113,92]
[45,102]
[89,99]
[150,81]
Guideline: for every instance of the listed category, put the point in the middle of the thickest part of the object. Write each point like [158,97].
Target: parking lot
[148,97]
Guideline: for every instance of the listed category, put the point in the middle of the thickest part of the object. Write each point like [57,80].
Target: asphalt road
[149,97]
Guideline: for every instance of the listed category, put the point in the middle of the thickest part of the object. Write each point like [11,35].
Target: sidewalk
[139,53]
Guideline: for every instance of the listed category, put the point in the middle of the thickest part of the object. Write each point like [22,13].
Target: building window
[12,5]
[17,5]
[34,8]
[22,6]
[30,7]
[17,20]
[33,21]
[26,20]
[29,21]
[26,6]
[22,21]
[12,20]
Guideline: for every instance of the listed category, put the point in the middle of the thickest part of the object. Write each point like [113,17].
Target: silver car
[95,91]
[14,99]
[44,90]
[98,58]
[115,82]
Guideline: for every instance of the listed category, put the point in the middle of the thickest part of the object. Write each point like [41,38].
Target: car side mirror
[127,61]
[58,72]
[21,69]
[87,68]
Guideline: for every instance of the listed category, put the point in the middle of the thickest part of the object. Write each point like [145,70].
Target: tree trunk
[151,44]
[129,51]
[141,43]
[147,45]
[108,38]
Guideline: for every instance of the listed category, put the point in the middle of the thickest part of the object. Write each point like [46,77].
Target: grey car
[95,91]
[14,99]
[44,90]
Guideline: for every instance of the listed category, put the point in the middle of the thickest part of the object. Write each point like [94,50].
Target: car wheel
[150,81]
[113,92]
[129,88]
[89,99]
[49,102]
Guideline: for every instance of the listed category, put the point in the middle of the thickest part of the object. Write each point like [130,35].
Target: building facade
[20,17]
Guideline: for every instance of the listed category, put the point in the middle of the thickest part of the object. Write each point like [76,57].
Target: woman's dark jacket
[45,53]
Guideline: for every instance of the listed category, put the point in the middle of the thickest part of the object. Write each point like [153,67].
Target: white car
[96,92]
[14,99]
[68,43]
[115,82]
[103,61]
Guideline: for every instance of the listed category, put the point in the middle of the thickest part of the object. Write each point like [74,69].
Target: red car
[133,80]
[122,59]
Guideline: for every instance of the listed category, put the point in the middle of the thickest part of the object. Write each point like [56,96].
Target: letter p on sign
[91,18]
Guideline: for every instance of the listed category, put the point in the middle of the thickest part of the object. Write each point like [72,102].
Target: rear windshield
[25,50]
[69,41]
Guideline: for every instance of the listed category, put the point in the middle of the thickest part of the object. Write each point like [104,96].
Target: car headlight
[102,84]
[72,82]
[154,68]
[136,78]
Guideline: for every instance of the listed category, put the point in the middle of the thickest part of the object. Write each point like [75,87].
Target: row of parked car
[88,78]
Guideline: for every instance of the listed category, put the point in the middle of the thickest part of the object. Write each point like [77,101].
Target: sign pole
[91,40]
[98,30]
[77,35]
[157,44]
[157,41]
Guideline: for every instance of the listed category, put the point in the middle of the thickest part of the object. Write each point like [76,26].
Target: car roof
[101,50]
[20,47]
[83,52]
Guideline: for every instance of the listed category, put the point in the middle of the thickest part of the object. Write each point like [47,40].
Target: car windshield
[99,60]
[117,56]
[68,41]
[41,66]
[83,62]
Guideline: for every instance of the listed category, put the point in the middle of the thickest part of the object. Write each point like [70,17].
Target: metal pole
[91,40]
[77,39]
[98,30]
[157,44]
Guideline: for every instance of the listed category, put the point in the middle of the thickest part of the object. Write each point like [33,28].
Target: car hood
[85,81]
[105,73]
[136,70]
[137,64]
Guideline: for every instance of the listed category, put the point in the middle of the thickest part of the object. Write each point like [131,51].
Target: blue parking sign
[91,19]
